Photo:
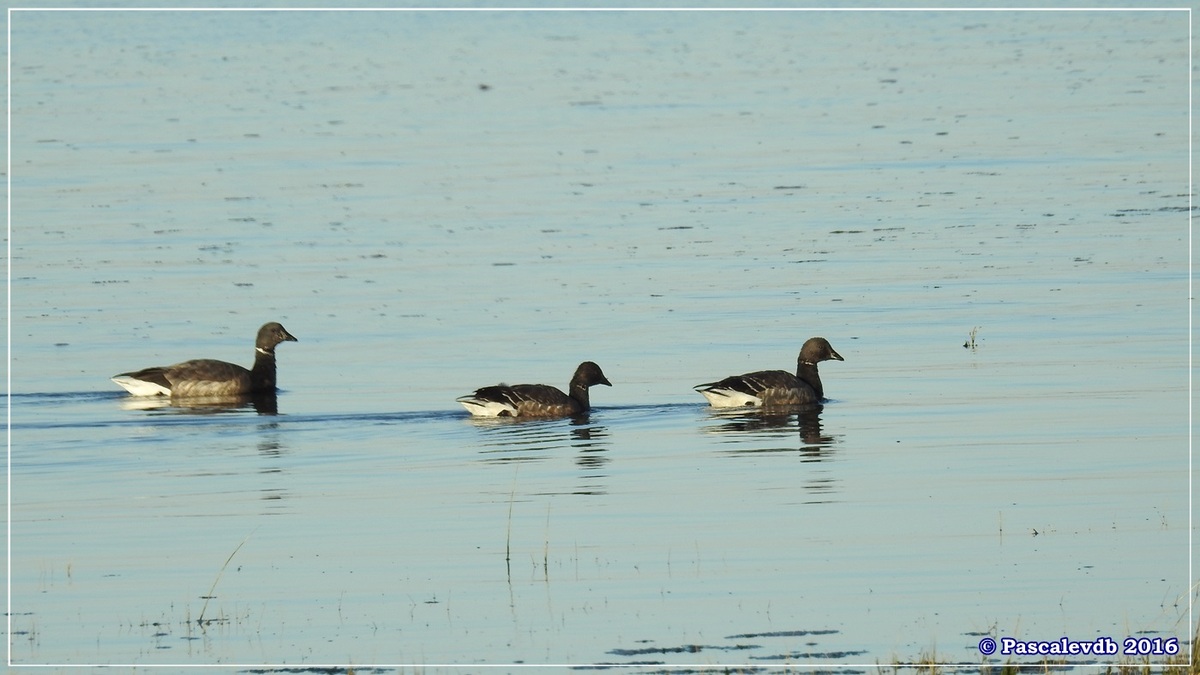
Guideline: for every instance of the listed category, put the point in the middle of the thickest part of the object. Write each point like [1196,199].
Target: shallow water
[433,202]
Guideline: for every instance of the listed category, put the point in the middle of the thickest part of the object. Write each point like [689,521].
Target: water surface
[433,202]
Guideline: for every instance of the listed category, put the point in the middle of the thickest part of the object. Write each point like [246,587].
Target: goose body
[775,388]
[536,400]
[210,377]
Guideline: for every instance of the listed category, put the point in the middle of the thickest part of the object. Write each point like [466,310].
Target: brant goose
[209,377]
[775,387]
[536,400]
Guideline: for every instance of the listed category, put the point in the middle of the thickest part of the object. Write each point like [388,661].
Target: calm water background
[438,201]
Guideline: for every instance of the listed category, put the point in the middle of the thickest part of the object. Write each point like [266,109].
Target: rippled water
[433,202]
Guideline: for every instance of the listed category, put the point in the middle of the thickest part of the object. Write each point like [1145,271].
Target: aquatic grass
[970,343]
[212,589]
[546,547]
[512,497]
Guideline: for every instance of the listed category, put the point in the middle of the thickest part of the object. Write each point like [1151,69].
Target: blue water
[433,202]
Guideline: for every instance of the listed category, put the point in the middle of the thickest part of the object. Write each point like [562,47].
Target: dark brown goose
[536,400]
[209,377]
[775,388]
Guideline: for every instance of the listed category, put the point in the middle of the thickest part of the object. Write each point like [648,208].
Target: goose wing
[518,400]
[169,380]
[763,387]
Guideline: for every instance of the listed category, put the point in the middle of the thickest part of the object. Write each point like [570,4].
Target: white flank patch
[730,398]
[141,387]
[480,408]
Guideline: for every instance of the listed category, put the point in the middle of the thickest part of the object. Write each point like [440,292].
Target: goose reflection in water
[263,404]
[758,424]
[508,440]
[513,434]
